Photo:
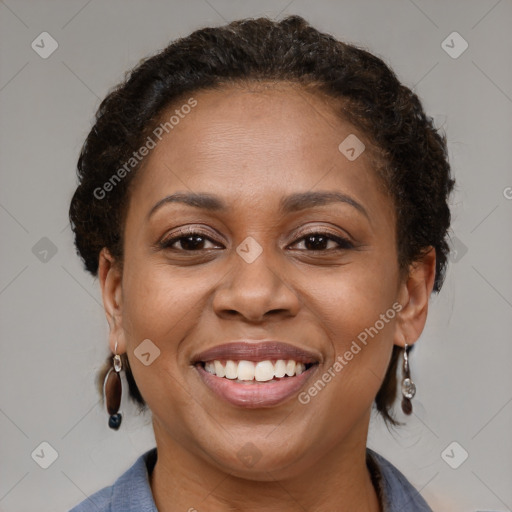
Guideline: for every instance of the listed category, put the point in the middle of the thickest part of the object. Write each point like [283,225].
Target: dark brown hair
[414,165]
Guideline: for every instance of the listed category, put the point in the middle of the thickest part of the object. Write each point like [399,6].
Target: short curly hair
[414,165]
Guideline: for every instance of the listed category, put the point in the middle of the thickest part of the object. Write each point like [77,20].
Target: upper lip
[257,351]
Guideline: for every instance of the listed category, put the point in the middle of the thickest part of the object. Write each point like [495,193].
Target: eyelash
[343,243]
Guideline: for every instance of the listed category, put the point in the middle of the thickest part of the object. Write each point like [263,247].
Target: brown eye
[191,241]
[319,241]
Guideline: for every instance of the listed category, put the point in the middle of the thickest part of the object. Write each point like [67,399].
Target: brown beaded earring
[112,391]
[408,386]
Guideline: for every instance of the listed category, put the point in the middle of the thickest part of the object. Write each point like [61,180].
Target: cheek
[159,302]
[354,297]
[356,311]
[161,308]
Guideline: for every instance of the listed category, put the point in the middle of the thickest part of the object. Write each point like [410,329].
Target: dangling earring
[112,390]
[408,387]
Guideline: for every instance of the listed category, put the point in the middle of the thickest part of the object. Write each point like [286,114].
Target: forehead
[264,123]
[256,142]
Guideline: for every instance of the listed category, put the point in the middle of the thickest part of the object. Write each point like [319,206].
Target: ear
[110,277]
[414,295]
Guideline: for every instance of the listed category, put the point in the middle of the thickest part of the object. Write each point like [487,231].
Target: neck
[339,480]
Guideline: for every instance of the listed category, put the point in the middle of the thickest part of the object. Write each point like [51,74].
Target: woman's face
[268,261]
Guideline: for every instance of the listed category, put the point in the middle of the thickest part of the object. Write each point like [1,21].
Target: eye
[314,241]
[319,241]
[189,241]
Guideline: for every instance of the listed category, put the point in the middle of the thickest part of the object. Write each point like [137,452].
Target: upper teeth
[249,370]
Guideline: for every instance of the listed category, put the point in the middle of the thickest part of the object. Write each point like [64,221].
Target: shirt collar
[132,491]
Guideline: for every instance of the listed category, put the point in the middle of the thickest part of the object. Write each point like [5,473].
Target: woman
[266,210]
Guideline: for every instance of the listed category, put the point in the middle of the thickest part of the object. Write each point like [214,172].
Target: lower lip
[255,394]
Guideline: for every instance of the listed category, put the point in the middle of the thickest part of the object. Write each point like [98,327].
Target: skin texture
[252,146]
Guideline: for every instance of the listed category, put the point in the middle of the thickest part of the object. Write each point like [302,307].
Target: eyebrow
[289,204]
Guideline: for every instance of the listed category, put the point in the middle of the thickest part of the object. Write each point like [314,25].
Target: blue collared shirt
[131,492]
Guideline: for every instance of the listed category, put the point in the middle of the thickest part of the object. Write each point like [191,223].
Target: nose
[255,291]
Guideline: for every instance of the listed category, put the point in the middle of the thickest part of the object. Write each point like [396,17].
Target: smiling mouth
[252,372]
[256,374]
[255,384]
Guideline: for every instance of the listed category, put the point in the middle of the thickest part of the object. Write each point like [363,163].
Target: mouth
[250,372]
[255,374]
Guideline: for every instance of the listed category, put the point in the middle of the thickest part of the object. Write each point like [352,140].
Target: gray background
[52,324]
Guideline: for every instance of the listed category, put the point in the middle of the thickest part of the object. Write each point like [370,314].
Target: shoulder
[130,492]
[397,493]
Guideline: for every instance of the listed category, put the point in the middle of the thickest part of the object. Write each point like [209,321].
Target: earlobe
[414,297]
[110,279]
